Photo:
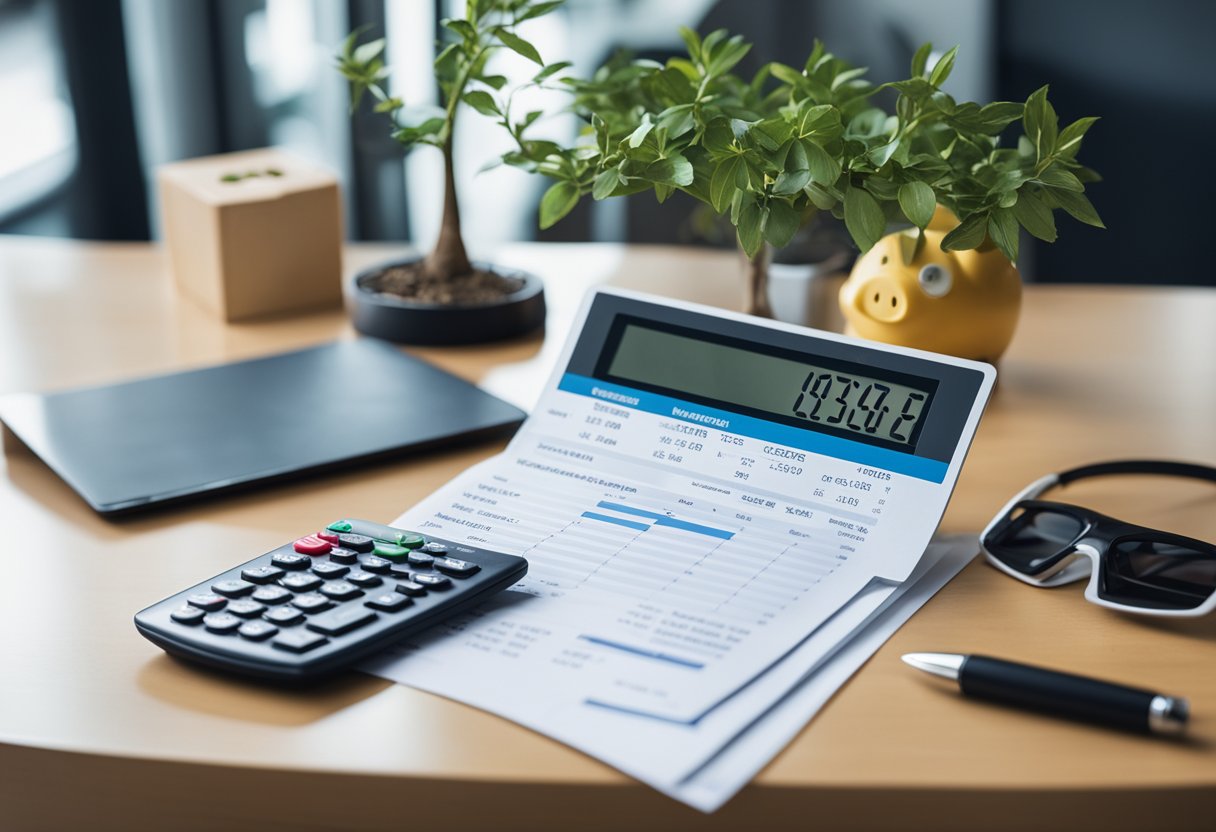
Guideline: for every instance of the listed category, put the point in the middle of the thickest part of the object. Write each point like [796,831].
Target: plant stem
[755,299]
[448,258]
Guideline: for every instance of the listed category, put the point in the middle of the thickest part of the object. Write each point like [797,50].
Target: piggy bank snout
[882,299]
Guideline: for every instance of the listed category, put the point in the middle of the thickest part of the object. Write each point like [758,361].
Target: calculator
[319,604]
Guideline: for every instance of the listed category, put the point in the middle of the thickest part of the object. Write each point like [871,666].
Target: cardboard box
[253,233]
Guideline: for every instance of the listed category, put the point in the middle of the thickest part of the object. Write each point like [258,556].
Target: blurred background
[94,94]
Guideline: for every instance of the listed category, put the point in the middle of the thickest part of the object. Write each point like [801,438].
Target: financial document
[692,559]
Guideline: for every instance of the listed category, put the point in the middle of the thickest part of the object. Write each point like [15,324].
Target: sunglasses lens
[1035,539]
[1161,574]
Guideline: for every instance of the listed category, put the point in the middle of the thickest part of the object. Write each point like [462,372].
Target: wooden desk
[96,724]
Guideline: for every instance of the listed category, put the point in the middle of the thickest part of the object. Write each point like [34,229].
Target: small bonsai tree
[460,69]
[775,149]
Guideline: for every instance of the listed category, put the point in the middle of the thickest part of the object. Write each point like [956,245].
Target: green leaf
[1079,206]
[368,52]
[718,138]
[537,10]
[772,133]
[639,134]
[495,81]
[848,75]
[389,104]
[550,71]
[1003,229]
[825,170]
[820,198]
[911,245]
[1070,137]
[791,182]
[920,59]
[863,218]
[676,120]
[882,154]
[787,74]
[969,234]
[722,185]
[783,222]
[1035,216]
[605,184]
[1041,123]
[917,201]
[482,102]
[692,41]
[461,27]
[674,170]
[1061,179]
[941,70]
[731,53]
[749,227]
[558,201]
[517,44]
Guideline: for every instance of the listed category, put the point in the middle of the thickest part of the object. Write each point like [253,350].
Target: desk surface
[91,712]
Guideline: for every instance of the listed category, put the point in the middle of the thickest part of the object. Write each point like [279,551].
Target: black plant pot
[398,319]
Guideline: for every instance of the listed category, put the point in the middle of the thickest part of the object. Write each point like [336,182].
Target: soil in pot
[412,283]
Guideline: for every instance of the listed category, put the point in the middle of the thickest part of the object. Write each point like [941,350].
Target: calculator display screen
[863,403]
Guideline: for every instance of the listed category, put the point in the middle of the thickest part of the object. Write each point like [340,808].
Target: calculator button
[401,572]
[431,581]
[410,540]
[271,595]
[312,545]
[340,555]
[340,590]
[339,526]
[207,601]
[434,548]
[233,588]
[246,609]
[187,615]
[257,630]
[329,537]
[376,564]
[285,616]
[221,622]
[420,559]
[358,542]
[411,588]
[389,602]
[301,582]
[312,602]
[364,579]
[262,574]
[299,641]
[290,560]
[459,568]
[390,550]
[342,620]
[329,570]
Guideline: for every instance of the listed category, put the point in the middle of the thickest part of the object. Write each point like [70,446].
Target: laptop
[155,441]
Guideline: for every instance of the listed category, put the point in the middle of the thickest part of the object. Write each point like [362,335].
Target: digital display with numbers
[863,403]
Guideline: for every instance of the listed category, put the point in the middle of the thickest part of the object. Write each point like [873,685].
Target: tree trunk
[755,299]
[448,259]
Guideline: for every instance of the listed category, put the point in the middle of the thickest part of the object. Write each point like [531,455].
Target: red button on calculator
[312,545]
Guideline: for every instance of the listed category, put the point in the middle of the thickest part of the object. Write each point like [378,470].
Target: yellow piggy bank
[962,303]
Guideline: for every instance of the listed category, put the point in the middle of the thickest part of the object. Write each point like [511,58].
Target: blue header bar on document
[748,426]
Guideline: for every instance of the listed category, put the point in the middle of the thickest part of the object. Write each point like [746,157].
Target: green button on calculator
[339,526]
[410,540]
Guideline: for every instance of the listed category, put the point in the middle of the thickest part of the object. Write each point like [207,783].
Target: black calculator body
[321,603]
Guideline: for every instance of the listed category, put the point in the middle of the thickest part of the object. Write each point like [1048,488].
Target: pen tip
[946,665]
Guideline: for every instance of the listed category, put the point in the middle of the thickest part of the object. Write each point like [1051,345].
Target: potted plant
[444,298]
[774,149]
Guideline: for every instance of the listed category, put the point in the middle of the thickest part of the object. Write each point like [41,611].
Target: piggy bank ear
[935,280]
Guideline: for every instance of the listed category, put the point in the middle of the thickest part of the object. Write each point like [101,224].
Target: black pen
[1060,694]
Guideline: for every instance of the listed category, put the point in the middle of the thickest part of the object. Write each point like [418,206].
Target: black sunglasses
[1131,568]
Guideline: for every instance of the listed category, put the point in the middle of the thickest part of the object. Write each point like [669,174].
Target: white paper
[689,566]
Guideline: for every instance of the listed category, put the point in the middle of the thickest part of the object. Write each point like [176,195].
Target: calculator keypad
[324,595]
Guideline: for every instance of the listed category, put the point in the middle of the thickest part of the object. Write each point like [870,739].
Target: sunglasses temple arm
[1030,492]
